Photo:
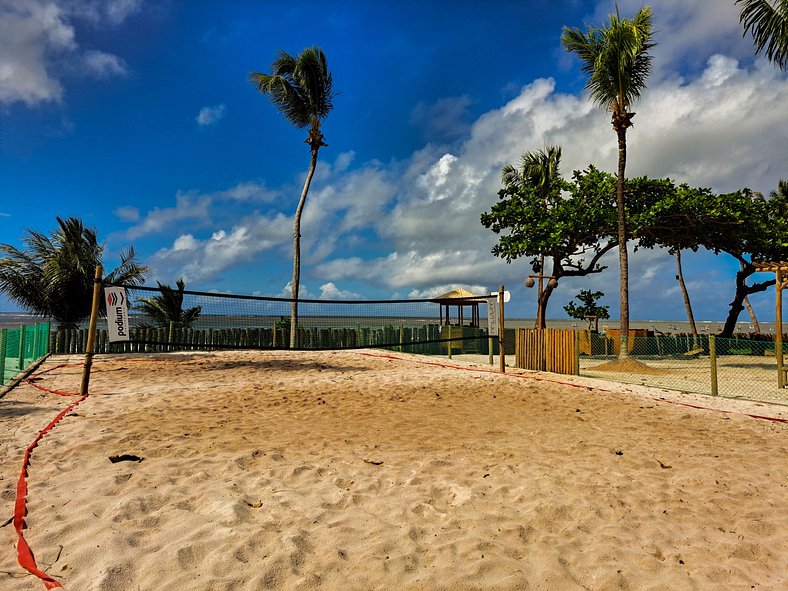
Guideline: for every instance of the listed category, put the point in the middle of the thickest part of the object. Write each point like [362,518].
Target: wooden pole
[83,389]
[501,339]
[778,321]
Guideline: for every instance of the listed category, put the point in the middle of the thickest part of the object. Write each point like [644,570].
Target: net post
[501,336]
[713,364]
[83,389]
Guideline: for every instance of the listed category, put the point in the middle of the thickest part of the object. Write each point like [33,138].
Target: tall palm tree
[167,307]
[301,87]
[617,61]
[537,169]
[53,276]
[767,20]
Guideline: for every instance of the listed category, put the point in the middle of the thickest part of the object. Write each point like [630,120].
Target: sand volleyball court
[362,470]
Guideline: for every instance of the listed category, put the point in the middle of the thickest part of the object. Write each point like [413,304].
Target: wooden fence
[416,339]
[547,350]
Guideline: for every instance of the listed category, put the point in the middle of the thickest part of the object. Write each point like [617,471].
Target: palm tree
[617,60]
[301,88]
[167,307]
[537,169]
[767,20]
[53,276]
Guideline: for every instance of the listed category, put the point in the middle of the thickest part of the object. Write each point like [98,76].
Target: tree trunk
[687,304]
[297,252]
[755,324]
[547,291]
[623,257]
[742,291]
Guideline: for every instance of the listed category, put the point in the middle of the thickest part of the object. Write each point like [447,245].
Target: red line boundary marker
[24,553]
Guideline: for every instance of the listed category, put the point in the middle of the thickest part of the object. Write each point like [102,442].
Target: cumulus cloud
[210,115]
[445,120]
[36,35]
[202,259]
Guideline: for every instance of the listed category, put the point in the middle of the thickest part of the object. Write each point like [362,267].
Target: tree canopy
[53,275]
[167,307]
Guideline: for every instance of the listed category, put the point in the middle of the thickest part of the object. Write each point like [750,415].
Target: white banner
[117,314]
[492,316]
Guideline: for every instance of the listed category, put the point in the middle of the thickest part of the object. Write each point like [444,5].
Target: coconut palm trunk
[685,295]
[295,285]
[623,255]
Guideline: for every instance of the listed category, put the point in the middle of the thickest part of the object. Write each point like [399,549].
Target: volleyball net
[168,319]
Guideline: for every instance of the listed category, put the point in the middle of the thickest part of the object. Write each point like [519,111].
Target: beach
[364,470]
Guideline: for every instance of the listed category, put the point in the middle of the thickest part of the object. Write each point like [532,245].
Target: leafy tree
[617,61]
[566,229]
[53,276]
[540,170]
[744,224]
[767,20]
[301,88]
[588,307]
[167,307]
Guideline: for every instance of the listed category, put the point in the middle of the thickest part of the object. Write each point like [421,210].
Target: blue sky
[138,117]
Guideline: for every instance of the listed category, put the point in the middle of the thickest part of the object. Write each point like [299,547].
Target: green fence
[734,367]
[20,348]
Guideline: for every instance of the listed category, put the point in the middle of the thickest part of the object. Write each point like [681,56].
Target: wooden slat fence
[548,349]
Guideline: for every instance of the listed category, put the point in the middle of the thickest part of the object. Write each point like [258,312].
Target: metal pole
[502,351]
[83,389]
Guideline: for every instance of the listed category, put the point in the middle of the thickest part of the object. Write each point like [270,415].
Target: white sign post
[492,316]
[117,314]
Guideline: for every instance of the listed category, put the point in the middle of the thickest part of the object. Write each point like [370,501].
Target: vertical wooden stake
[501,339]
[448,326]
[778,322]
[83,389]
[490,343]
[401,336]
[713,362]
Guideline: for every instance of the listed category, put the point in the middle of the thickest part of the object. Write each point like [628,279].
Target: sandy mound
[629,365]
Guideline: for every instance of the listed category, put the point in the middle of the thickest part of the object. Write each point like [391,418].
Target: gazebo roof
[456,294]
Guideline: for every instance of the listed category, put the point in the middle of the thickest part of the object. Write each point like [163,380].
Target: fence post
[3,340]
[401,336]
[449,343]
[576,362]
[21,365]
[501,335]
[713,363]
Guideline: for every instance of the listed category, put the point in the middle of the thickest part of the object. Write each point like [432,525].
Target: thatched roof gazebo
[459,298]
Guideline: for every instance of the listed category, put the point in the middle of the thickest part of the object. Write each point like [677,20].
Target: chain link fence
[734,367]
[20,348]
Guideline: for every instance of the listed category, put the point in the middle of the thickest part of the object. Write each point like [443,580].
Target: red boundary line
[539,379]
[24,553]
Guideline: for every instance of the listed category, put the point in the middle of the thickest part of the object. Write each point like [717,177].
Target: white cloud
[329,291]
[210,115]
[128,214]
[37,35]
[103,65]
[200,260]
[188,207]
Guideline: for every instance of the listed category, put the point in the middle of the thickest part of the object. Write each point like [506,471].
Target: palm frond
[300,87]
[768,23]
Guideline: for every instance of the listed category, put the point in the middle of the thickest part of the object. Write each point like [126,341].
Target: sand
[346,470]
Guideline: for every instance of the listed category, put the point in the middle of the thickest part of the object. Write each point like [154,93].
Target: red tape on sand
[23,552]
